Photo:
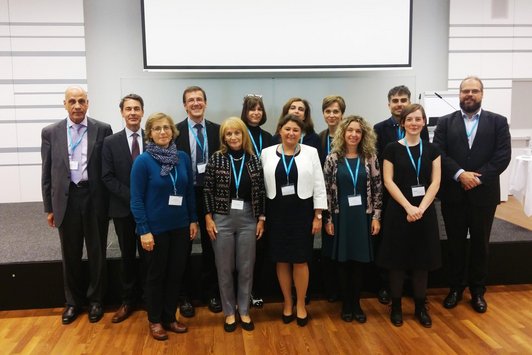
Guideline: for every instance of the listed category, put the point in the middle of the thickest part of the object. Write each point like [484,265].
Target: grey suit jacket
[116,170]
[55,179]
[489,155]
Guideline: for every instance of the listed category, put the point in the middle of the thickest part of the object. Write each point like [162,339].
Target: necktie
[200,145]
[77,147]
[135,149]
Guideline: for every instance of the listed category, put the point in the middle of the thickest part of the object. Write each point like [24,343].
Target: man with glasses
[476,148]
[200,139]
[389,131]
[118,153]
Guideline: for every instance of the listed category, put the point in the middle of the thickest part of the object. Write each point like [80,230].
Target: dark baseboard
[40,284]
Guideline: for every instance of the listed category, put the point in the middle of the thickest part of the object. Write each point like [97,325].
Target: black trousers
[82,224]
[165,266]
[129,243]
[208,276]
[468,267]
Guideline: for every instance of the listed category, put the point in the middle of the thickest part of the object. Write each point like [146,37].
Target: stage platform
[31,276]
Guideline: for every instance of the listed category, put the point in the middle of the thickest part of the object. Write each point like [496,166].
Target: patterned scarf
[167,157]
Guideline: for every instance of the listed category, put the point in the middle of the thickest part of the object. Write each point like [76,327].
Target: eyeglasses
[161,128]
[253,95]
[403,100]
[468,91]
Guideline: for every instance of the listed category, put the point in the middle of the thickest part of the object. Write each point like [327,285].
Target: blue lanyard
[353,178]
[400,133]
[418,168]
[202,146]
[239,177]
[287,168]
[257,150]
[174,180]
[328,143]
[472,128]
[301,139]
[75,145]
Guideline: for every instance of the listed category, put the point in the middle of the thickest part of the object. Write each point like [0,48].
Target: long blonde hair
[238,124]
[367,144]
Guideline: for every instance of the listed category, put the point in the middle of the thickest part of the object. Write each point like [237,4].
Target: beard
[470,108]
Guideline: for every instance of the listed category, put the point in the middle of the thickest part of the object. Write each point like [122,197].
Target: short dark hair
[287,118]
[399,90]
[131,97]
[192,89]
[250,101]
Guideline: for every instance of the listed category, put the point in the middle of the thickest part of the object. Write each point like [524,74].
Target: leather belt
[81,184]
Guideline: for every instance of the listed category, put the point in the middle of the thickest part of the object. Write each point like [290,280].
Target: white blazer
[310,181]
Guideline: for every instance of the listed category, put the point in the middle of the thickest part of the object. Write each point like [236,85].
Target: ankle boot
[396,315]
[422,313]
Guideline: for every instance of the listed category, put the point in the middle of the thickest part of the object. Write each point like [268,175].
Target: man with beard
[476,149]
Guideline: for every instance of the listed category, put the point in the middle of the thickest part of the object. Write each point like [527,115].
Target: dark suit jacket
[116,170]
[213,136]
[55,179]
[386,133]
[489,155]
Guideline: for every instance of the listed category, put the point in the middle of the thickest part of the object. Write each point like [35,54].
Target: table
[521,182]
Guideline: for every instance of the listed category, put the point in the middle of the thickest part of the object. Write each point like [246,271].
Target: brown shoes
[176,327]
[122,313]
[157,331]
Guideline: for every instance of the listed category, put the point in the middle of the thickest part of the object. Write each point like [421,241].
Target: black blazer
[489,155]
[116,170]
[213,136]
[387,133]
[55,178]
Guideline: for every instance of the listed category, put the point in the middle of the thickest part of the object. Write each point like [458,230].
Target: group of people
[370,191]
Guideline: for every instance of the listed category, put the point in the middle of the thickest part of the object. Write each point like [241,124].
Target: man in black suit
[200,139]
[75,200]
[389,131]
[476,149]
[118,153]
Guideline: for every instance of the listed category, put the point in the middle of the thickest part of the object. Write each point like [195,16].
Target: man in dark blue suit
[199,138]
[118,153]
[476,149]
[76,202]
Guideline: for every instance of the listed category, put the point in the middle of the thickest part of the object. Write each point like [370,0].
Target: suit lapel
[63,142]
[460,126]
[124,146]
[481,127]
[92,133]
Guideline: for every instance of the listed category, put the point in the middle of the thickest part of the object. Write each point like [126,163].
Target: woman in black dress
[295,192]
[254,116]
[412,174]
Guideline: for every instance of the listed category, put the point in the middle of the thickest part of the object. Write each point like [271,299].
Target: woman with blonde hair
[354,194]
[235,208]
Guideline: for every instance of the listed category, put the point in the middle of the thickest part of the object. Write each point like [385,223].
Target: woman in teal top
[354,193]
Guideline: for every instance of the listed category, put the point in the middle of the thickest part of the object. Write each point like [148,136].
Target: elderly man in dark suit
[75,200]
[200,139]
[118,153]
[476,149]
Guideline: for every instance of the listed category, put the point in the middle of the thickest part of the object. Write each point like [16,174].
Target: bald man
[75,201]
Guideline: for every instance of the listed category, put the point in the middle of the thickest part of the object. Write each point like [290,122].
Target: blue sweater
[150,193]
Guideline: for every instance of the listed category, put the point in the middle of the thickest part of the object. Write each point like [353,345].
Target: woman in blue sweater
[164,207]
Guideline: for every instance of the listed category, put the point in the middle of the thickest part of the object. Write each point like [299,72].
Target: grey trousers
[234,249]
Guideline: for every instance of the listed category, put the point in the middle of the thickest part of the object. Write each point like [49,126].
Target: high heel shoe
[289,318]
[302,321]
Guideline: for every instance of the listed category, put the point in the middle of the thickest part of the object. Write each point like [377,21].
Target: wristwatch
[319,216]
[262,218]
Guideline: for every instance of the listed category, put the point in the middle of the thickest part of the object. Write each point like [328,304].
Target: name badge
[174,200]
[237,204]
[418,190]
[354,200]
[288,190]
[74,165]
[201,168]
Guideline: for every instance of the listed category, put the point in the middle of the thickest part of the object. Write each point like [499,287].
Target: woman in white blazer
[295,191]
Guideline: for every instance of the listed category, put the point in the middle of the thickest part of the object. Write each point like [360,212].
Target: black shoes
[249,326]
[422,313]
[479,303]
[302,321]
[95,312]
[69,314]
[214,305]
[396,314]
[359,315]
[289,318]
[230,327]
[187,309]
[384,296]
[452,298]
